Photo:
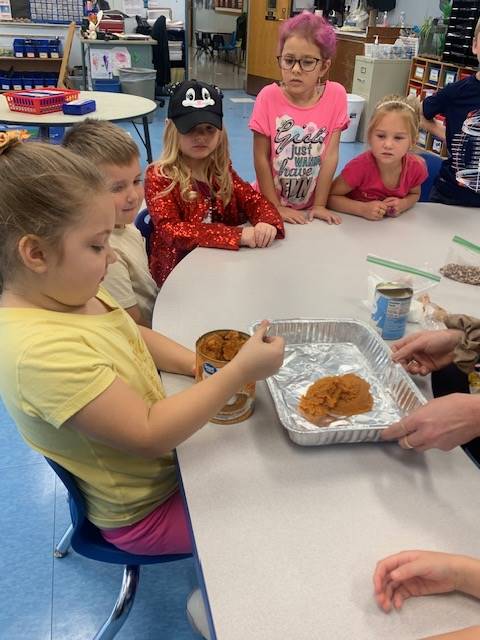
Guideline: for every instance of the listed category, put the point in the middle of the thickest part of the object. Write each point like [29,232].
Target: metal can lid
[394,290]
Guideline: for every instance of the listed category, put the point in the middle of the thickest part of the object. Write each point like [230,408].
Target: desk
[114,107]
[140,52]
[288,537]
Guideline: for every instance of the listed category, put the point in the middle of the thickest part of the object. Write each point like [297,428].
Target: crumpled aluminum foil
[324,347]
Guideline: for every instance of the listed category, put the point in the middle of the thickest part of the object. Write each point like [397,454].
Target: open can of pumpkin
[214,350]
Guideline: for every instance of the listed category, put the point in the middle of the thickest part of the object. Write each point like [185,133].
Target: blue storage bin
[54,48]
[28,81]
[79,107]
[17,82]
[19,47]
[56,134]
[50,79]
[5,82]
[42,51]
[30,51]
[40,44]
[38,80]
[107,84]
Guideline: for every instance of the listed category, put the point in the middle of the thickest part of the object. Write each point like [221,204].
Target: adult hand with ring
[442,423]
[404,443]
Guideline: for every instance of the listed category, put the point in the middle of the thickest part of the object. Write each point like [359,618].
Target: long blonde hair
[172,165]
[406,106]
[43,191]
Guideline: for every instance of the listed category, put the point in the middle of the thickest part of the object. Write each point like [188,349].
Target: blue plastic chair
[434,163]
[227,47]
[86,539]
[144,224]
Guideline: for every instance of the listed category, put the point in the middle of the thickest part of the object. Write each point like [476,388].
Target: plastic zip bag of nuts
[463,262]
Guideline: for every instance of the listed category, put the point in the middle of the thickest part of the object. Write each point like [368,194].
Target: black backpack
[143,27]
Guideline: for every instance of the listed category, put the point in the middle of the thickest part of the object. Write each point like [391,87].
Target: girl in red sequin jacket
[194,197]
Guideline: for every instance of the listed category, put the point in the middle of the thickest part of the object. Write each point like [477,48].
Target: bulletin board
[56,11]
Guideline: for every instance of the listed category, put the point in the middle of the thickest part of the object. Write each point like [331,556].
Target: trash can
[138,82]
[355,108]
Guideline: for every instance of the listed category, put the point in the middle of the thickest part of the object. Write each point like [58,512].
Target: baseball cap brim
[185,123]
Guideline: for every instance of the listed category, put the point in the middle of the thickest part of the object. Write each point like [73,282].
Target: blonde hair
[407,106]
[477,29]
[43,191]
[172,165]
[101,142]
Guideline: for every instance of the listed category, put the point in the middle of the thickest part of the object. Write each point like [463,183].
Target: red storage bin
[39,101]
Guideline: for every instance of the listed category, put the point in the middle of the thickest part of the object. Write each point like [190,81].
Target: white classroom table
[115,107]
[288,537]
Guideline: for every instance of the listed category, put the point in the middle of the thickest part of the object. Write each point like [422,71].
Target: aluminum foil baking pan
[323,347]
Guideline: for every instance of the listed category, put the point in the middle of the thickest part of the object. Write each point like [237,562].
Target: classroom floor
[48,599]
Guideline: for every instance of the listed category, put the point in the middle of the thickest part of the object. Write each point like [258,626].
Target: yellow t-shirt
[53,364]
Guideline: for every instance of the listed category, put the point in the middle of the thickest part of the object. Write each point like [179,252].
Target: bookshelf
[427,75]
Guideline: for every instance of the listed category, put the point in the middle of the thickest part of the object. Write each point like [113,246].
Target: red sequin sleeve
[256,207]
[180,224]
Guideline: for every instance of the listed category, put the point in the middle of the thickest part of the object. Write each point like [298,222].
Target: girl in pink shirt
[386,180]
[297,125]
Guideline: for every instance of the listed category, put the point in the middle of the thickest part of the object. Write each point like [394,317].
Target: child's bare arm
[327,171]
[263,170]
[136,314]
[433,126]
[167,354]
[339,201]
[120,418]
[470,633]
[324,182]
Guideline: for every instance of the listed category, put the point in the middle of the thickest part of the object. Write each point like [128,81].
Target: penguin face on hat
[194,103]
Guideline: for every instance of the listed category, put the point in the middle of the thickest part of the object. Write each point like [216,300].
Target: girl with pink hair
[297,124]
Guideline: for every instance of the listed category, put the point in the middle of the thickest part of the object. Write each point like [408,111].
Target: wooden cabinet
[373,79]
[343,64]
[425,78]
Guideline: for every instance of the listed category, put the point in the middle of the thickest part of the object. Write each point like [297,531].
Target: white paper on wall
[101,63]
[121,59]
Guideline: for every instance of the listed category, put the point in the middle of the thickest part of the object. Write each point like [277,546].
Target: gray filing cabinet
[374,79]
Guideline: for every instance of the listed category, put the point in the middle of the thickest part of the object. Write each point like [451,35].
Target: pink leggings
[163,531]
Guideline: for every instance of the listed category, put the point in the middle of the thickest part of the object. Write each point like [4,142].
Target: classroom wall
[177,7]
[415,11]
[210,20]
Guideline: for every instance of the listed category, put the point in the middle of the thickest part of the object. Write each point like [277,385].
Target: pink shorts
[163,531]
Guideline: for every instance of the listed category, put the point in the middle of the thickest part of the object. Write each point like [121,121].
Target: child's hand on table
[322,213]
[374,210]
[247,238]
[414,573]
[395,206]
[293,216]
[264,234]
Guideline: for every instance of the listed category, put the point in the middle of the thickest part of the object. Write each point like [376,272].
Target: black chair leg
[131,576]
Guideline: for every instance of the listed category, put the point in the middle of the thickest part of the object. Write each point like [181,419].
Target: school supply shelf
[29,62]
[426,77]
